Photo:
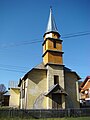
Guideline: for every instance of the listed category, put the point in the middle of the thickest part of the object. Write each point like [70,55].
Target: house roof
[51,26]
[56,89]
[86,79]
[7,93]
[85,84]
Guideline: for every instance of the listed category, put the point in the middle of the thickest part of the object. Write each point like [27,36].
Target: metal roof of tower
[51,26]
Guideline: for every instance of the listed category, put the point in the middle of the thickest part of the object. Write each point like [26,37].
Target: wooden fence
[45,113]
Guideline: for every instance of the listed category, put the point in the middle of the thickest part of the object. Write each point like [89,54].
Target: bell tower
[53,61]
[52,45]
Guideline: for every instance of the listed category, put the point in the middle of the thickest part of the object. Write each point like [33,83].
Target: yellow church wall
[45,58]
[53,58]
[37,86]
[50,46]
[14,97]
[50,102]
[71,89]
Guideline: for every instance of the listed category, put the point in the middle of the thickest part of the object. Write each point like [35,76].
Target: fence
[45,113]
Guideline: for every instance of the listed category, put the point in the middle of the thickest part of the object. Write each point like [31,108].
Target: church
[50,85]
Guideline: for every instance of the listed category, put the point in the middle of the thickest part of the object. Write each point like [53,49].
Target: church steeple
[52,45]
[51,26]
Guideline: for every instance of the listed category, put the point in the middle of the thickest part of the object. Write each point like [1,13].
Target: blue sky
[23,22]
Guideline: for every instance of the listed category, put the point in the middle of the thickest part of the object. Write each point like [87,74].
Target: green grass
[78,118]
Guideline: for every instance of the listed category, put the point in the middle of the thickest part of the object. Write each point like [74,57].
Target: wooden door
[56,101]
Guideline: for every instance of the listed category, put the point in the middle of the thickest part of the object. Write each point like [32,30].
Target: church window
[54,44]
[56,79]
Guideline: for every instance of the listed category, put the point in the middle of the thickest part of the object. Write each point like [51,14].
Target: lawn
[77,118]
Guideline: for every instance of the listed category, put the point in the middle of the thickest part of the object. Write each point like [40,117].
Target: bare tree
[2,91]
[2,88]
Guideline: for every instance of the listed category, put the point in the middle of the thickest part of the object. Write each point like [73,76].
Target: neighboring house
[85,92]
[50,85]
[14,91]
[12,97]
[6,98]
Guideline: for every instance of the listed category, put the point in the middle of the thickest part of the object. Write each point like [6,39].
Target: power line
[76,35]
[11,70]
[40,40]
[13,66]
[19,44]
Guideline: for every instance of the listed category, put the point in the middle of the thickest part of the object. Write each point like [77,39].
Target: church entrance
[56,101]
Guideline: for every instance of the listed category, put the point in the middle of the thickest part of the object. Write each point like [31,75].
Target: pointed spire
[51,26]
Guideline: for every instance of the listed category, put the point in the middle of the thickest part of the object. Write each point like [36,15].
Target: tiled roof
[58,88]
[40,66]
[86,84]
[69,70]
